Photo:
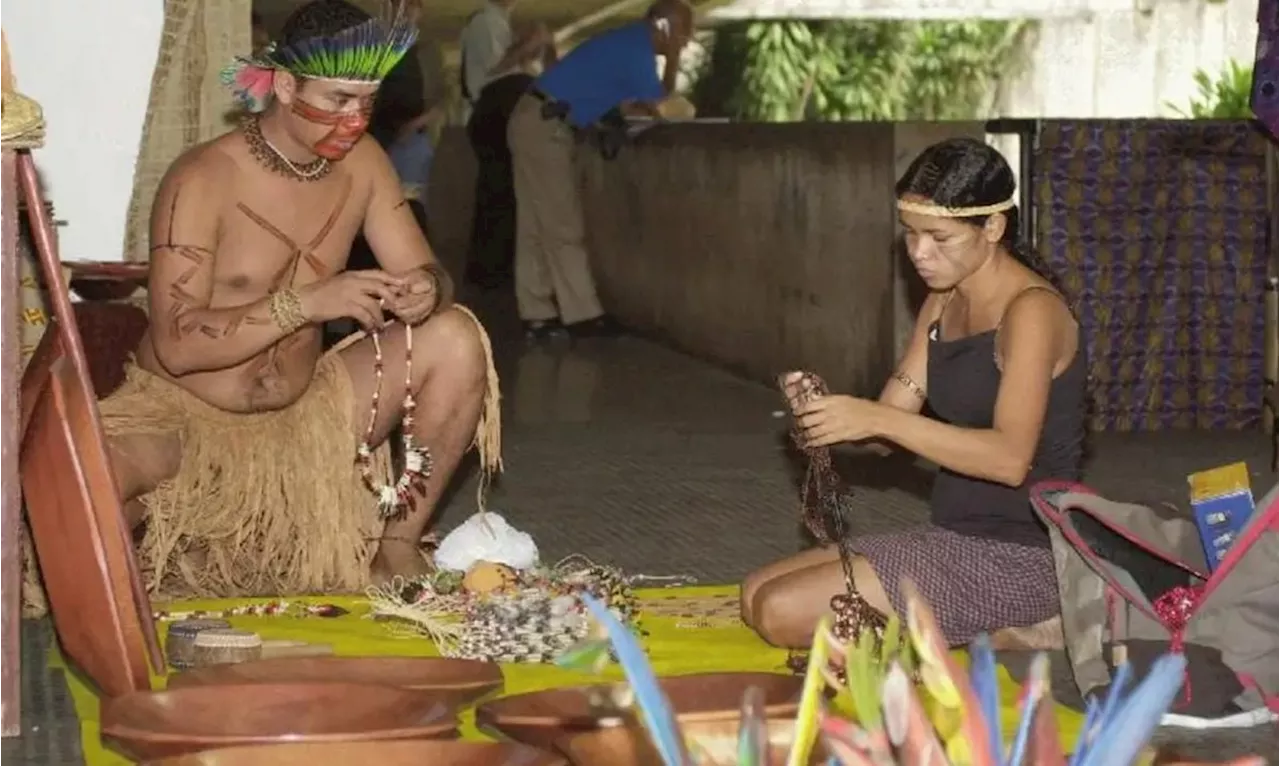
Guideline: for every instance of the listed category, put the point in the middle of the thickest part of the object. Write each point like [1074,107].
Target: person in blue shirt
[555,291]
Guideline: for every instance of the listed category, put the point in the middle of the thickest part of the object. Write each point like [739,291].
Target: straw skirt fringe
[263,504]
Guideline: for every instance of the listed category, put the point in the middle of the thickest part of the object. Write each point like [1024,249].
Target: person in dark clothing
[398,124]
[494,74]
[493,224]
[1000,359]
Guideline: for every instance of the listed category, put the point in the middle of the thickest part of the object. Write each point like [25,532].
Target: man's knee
[140,463]
[454,341]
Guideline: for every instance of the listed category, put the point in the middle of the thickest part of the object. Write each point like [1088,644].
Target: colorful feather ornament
[815,683]
[948,685]
[753,730]
[592,656]
[986,686]
[656,713]
[892,724]
[364,53]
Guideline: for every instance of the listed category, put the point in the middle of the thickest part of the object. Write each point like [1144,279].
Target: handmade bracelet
[286,310]
[909,384]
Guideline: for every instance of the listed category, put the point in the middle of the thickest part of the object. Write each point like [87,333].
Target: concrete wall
[760,247]
[1128,59]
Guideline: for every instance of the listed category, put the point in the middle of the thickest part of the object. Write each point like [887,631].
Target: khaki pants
[552,267]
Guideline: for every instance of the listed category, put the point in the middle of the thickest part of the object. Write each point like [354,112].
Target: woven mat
[673,651]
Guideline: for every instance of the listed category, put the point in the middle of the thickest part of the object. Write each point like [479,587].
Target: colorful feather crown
[363,53]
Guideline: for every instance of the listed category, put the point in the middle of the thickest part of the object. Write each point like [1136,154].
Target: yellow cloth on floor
[674,650]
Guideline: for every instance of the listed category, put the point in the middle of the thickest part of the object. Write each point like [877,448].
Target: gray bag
[1115,561]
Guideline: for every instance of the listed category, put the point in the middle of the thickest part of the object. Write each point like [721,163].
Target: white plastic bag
[486,537]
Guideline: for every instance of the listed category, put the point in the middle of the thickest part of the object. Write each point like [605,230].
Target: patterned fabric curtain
[1159,231]
[188,101]
[1265,102]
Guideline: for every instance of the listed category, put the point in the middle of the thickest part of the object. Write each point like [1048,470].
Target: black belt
[551,109]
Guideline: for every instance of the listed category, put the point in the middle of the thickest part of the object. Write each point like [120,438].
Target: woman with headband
[999,358]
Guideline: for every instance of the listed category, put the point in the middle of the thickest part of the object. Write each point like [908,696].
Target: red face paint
[346,128]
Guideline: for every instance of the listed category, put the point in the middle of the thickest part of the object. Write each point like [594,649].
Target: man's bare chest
[281,235]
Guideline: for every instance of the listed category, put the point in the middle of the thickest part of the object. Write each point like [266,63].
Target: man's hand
[417,298]
[359,295]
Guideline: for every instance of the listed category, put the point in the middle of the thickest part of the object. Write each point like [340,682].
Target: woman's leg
[787,609]
[804,559]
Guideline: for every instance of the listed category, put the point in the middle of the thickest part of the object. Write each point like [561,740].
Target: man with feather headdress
[235,435]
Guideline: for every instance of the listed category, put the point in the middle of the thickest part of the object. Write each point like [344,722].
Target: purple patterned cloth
[974,585]
[1264,99]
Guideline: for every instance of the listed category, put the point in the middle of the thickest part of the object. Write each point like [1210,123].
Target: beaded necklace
[394,500]
[822,508]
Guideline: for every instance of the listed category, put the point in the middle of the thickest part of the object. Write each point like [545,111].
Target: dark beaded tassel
[822,509]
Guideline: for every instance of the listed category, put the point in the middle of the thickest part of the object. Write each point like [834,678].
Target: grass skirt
[263,504]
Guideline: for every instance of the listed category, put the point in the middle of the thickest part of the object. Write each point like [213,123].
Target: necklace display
[394,500]
[273,159]
[822,506]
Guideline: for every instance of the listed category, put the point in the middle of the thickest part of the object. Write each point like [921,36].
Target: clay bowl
[438,753]
[150,725]
[542,718]
[106,280]
[457,683]
[103,289]
[711,743]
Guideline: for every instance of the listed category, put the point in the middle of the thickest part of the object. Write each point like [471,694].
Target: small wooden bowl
[542,718]
[711,743]
[150,725]
[103,289]
[106,280]
[457,683]
[437,753]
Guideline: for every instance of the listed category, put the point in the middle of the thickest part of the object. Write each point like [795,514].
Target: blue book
[1221,502]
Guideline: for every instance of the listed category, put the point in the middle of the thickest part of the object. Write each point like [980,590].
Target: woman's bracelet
[910,384]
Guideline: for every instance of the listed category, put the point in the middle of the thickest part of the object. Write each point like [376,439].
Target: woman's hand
[830,420]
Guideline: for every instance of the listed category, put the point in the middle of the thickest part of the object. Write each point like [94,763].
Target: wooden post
[10,491]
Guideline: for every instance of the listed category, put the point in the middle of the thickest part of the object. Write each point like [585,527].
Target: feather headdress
[320,49]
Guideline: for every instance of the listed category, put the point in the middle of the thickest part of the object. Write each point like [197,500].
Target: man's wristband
[285,307]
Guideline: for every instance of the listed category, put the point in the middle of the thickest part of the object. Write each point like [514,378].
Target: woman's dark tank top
[963,381]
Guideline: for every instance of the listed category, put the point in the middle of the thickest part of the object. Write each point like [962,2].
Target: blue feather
[1123,675]
[658,717]
[986,688]
[1037,685]
[1127,731]
[1092,708]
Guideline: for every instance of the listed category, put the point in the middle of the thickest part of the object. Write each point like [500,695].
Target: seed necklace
[394,500]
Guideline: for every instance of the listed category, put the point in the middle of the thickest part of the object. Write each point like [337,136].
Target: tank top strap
[995,350]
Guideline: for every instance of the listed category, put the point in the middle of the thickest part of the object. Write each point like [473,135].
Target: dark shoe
[543,329]
[603,326]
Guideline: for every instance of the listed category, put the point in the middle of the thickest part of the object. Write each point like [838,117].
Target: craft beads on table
[180,647]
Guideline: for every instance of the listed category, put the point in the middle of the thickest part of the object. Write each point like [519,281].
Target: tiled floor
[629,453]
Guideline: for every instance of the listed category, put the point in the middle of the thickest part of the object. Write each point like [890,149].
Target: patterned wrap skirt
[973,584]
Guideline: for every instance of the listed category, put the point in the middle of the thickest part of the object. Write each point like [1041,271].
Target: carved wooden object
[99,607]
